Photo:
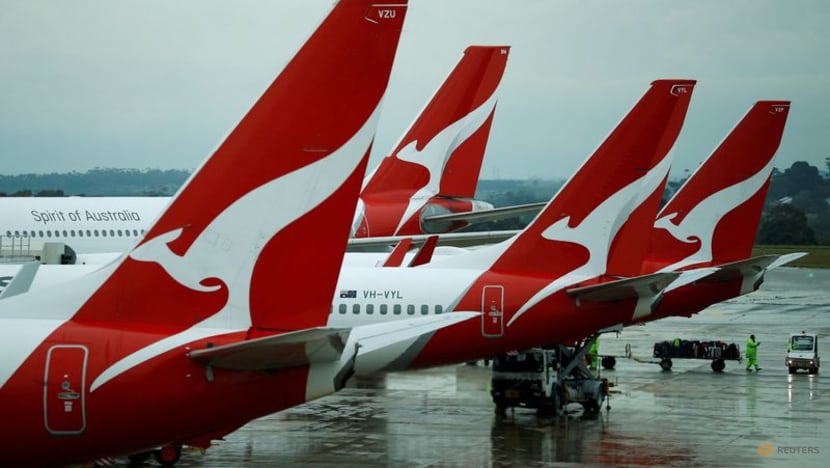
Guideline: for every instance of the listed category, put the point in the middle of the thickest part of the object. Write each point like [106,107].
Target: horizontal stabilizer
[743,268]
[690,276]
[785,259]
[383,345]
[379,335]
[21,281]
[456,239]
[481,216]
[292,349]
[751,271]
[629,288]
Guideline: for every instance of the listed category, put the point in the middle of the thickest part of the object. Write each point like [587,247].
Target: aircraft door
[492,311]
[65,390]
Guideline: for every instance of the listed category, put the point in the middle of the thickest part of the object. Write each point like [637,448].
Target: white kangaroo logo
[598,230]
[231,244]
[436,153]
[703,219]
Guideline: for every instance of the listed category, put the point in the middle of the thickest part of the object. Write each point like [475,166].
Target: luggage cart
[716,351]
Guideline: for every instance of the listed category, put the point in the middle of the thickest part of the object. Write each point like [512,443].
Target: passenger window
[112,233]
[356,309]
[342,308]
[370,309]
[8,233]
[135,233]
[95,232]
[424,309]
[439,309]
[396,309]
[48,233]
[40,233]
[120,234]
[72,232]
[89,233]
[64,233]
[383,309]
[32,234]
[103,233]
[410,309]
[16,233]
[80,233]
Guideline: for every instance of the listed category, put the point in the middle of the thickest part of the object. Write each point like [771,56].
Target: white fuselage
[86,224]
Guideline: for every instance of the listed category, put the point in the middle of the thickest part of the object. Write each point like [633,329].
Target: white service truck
[547,379]
[802,353]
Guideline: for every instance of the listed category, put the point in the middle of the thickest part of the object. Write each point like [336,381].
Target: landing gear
[168,455]
[791,370]
[609,362]
[718,365]
[665,364]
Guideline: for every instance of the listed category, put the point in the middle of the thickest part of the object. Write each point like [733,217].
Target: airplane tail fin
[442,151]
[236,244]
[714,216]
[446,142]
[608,198]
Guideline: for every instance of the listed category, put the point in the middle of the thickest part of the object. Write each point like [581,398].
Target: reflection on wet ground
[687,417]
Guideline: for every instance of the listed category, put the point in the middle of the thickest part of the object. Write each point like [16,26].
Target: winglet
[424,254]
[395,258]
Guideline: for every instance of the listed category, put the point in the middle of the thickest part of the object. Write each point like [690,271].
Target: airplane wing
[454,239]
[21,281]
[484,215]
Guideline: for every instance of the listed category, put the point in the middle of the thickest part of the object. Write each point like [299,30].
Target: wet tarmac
[689,416]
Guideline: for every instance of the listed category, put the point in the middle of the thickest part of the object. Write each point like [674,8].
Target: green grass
[818,256]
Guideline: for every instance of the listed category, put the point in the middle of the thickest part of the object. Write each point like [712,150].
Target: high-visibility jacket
[594,349]
[751,348]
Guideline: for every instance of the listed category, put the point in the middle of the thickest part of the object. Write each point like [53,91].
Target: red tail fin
[600,202]
[713,218]
[443,149]
[237,237]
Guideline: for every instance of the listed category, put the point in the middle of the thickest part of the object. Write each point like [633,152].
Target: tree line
[796,210]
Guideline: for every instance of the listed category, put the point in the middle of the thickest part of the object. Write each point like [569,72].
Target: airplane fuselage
[59,414]
[367,295]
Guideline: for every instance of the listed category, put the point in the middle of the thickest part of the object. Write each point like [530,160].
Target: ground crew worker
[752,353]
[593,354]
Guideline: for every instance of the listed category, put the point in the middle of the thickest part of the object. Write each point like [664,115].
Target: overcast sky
[158,84]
